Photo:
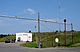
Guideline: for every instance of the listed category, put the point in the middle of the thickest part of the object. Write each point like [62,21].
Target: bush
[7,38]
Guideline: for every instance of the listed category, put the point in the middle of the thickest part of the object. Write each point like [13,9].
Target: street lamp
[72,31]
[65,32]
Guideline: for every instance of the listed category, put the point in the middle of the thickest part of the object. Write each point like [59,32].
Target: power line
[16,17]
[59,11]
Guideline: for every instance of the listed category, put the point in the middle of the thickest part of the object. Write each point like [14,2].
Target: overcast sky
[49,10]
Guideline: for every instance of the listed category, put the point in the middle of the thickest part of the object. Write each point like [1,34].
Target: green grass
[29,44]
[75,45]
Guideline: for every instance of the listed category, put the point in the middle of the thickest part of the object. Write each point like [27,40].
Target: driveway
[9,45]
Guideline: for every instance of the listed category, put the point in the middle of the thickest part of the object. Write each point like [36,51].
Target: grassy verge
[29,44]
[75,45]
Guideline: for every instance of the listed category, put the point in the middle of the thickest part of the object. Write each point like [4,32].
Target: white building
[22,37]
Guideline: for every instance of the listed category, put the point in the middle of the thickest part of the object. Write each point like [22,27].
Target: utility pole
[72,31]
[65,32]
[39,31]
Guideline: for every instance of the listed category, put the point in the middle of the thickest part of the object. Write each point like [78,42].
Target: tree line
[4,35]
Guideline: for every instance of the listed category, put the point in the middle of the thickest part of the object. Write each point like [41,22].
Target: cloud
[31,11]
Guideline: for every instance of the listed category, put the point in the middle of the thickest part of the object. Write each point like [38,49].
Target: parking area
[9,45]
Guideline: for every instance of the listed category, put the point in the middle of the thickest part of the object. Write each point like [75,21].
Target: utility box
[23,37]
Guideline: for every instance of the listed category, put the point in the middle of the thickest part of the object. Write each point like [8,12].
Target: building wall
[24,36]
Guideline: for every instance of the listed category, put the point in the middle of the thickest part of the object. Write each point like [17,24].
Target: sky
[52,10]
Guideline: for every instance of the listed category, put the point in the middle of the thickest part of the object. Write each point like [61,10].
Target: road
[12,47]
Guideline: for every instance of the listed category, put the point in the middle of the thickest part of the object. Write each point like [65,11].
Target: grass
[29,44]
[75,45]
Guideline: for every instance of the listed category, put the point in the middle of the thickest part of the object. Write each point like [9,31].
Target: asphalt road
[12,47]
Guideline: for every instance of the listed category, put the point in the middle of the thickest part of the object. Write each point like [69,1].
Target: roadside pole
[65,32]
[39,42]
[72,31]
